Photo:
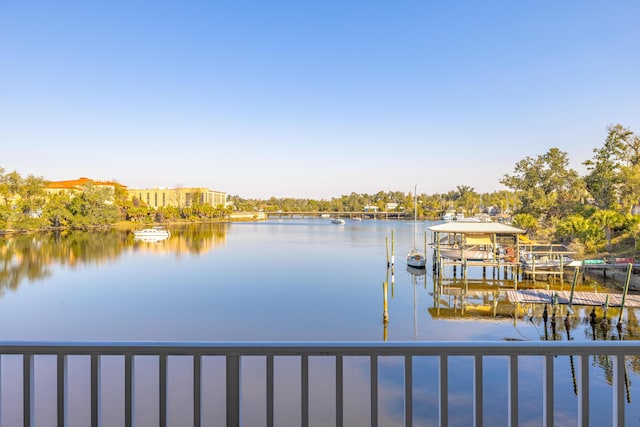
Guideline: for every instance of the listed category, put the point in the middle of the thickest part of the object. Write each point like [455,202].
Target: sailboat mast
[415,215]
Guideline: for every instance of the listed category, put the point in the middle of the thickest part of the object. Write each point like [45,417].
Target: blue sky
[311,98]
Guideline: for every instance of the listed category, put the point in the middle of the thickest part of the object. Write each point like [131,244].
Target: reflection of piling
[385,307]
[567,327]
[545,317]
[573,375]
[554,307]
[627,385]
[393,284]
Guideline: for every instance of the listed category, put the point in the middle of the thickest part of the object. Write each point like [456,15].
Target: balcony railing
[233,353]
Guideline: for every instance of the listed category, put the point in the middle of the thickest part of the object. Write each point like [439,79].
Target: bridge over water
[339,214]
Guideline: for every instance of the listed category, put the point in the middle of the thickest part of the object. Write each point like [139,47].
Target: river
[283,280]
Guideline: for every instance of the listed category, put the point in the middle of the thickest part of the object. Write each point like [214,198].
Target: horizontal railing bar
[358,348]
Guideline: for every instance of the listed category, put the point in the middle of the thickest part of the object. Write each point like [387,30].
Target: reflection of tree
[29,257]
[20,260]
[195,238]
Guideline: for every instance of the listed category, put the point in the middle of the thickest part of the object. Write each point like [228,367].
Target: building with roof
[79,184]
[178,197]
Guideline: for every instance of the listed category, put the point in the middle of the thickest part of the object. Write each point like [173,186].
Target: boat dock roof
[463,227]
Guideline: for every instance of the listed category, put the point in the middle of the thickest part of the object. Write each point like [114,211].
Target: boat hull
[416,260]
[152,233]
[469,254]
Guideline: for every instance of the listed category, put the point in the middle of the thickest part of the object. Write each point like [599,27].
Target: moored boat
[415,258]
[153,233]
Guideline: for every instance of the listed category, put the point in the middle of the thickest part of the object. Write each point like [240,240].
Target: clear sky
[317,99]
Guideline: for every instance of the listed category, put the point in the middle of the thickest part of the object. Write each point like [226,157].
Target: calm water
[301,279]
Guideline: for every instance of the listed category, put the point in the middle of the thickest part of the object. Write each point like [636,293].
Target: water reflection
[31,257]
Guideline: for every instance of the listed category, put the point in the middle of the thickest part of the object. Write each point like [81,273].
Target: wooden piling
[624,292]
[573,287]
[387,247]
[392,248]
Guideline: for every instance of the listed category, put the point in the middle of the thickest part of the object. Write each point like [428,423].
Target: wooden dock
[542,296]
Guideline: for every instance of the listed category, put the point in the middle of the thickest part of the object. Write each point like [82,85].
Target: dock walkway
[542,296]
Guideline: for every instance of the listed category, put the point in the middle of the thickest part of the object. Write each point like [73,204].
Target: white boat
[338,221]
[469,253]
[153,233]
[449,216]
[477,247]
[415,258]
[547,257]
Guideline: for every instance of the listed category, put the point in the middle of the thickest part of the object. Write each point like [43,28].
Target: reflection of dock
[483,301]
[542,296]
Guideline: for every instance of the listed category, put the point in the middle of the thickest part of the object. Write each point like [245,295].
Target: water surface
[299,280]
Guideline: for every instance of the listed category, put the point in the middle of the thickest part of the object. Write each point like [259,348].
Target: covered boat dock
[465,243]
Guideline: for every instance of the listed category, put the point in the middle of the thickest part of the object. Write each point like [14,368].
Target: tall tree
[605,168]
[545,184]
[608,220]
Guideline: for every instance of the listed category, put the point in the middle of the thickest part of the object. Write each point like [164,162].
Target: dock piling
[624,292]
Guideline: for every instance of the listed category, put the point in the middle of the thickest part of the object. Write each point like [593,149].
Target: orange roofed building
[78,184]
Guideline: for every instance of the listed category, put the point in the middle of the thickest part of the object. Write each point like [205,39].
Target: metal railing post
[61,388]
[128,390]
[339,392]
[444,390]
[197,389]
[583,401]
[513,390]
[547,393]
[304,392]
[477,390]
[162,389]
[233,390]
[270,391]
[373,381]
[618,390]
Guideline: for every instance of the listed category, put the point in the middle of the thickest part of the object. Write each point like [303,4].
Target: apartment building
[178,197]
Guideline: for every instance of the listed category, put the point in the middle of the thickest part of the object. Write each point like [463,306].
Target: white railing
[232,353]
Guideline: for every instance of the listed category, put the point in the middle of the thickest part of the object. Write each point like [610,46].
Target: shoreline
[616,277]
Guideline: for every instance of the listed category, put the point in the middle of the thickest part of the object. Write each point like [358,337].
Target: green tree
[93,206]
[632,225]
[629,188]
[545,184]
[605,168]
[527,222]
[467,199]
[607,220]
[56,211]
[32,195]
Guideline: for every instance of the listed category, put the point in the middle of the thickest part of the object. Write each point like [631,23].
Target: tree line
[544,195]
[25,204]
